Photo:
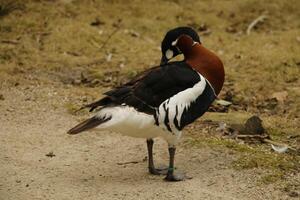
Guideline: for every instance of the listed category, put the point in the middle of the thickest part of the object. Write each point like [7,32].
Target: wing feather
[150,88]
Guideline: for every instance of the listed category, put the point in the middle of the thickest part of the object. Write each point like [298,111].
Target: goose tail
[88,124]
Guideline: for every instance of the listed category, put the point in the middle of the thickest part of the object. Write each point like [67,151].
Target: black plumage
[198,107]
[171,36]
[148,90]
[151,87]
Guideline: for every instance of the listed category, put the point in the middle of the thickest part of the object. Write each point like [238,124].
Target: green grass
[250,157]
[276,166]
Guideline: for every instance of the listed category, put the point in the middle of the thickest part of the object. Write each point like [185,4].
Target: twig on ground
[95,62]
[109,37]
[259,137]
[129,162]
[254,22]
[10,41]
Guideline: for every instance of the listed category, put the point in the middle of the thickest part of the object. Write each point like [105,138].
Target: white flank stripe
[182,100]
[127,121]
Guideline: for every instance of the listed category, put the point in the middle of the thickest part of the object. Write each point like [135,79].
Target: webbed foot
[158,171]
[177,177]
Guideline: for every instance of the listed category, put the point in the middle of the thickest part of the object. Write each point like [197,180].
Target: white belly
[127,121]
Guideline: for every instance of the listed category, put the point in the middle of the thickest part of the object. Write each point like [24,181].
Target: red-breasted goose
[161,101]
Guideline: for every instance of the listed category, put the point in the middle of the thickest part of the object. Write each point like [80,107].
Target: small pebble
[293,194]
[50,154]
[10,109]
[76,82]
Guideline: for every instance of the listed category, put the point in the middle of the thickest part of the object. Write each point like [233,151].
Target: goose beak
[164,60]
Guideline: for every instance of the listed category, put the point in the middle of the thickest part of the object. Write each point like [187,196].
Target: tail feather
[88,124]
[100,103]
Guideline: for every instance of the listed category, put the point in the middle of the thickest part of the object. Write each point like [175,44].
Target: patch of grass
[283,129]
[259,156]
[96,74]
[290,187]
[252,157]
[276,134]
[131,73]
[230,118]
[217,142]
[5,29]
[71,108]
[271,178]
[8,7]
[5,56]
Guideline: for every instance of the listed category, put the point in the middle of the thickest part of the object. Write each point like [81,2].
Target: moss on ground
[250,156]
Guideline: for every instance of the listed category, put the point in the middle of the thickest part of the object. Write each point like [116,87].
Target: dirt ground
[57,55]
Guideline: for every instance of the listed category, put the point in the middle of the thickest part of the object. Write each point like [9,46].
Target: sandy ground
[46,46]
[93,165]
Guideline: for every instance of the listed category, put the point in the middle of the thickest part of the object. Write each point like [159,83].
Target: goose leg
[152,169]
[170,175]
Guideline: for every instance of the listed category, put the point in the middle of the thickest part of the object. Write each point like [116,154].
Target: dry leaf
[279,149]
[280,96]
[223,102]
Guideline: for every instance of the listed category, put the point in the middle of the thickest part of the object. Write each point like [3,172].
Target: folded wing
[186,106]
[174,94]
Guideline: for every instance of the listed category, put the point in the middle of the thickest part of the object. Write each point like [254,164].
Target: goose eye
[169,54]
